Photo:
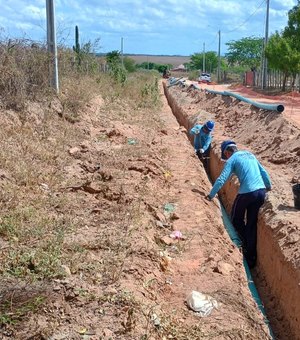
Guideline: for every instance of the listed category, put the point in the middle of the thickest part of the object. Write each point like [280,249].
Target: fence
[274,80]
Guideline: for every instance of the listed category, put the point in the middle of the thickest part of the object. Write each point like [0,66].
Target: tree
[292,30]
[211,61]
[283,56]
[245,52]
[113,57]
[129,64]
[116,68]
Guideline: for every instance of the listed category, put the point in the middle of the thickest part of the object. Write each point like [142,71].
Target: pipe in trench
[237,242]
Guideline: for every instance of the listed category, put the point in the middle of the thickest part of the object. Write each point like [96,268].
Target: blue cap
[224,146]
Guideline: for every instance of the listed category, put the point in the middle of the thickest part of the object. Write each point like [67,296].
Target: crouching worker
[254,181]
[202,140]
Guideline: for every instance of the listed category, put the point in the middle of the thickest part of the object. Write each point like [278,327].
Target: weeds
[18,299]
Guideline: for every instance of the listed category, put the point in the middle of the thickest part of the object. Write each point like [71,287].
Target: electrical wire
[249,17]
[211,43]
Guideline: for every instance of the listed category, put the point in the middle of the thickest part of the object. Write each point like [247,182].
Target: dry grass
[37,215]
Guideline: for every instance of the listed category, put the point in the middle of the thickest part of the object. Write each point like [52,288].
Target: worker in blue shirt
[202,140]
[254,182]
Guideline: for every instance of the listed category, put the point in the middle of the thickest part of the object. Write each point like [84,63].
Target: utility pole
[265,62]
[203,59]
[219,58]
[122,57]
[51,42]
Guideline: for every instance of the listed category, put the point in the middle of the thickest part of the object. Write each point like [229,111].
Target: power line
[211,43]
[249,17]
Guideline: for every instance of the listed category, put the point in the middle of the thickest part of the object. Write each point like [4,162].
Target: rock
[112,132]
[66,270]
[159,224]
[174,216]
[167,240]
[73,151]
[224,268]
[291,239]
[56,106]
[108,333]
[92,188]
[160,216]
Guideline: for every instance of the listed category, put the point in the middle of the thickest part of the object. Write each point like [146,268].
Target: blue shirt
[251,174]
[202,140]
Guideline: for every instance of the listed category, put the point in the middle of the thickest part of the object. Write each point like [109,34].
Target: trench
[282,281]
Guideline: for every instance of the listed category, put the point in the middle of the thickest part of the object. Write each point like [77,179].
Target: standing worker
[254,181]
[202,140]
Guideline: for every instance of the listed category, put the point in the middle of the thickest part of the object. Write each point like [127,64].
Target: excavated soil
[275,140]
[129,179]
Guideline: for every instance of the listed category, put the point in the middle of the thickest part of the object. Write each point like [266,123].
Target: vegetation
[117,70]
[76,47]
[153,66]
[211,61]
[283,49]
[38,210]
[245,52]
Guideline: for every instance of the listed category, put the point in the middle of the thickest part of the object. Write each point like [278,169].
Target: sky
[151,27]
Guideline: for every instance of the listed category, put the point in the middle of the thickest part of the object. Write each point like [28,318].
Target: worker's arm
[265,176]
[195,130]
[225,174]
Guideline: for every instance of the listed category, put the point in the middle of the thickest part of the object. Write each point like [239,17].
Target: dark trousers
[248,204]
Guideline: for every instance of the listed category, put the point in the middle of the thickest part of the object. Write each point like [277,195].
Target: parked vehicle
[204,78]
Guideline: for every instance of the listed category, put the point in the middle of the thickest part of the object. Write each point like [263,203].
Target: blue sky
[165,27]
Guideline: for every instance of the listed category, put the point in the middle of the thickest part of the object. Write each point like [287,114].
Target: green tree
[113,57]
[211,61]
[116,69]
[283,56]
[129,64]
[292,30]
[245,52]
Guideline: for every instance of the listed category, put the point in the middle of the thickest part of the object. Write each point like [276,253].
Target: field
[160,59]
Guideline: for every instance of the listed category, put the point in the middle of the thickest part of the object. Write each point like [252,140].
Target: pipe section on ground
[270,107]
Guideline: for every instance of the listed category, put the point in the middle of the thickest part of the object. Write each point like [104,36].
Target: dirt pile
[94,229]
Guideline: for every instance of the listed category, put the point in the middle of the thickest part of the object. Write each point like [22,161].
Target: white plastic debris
[176,235]
[202,304]
[155,319]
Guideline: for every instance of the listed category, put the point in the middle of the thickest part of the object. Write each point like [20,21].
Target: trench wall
[282,278]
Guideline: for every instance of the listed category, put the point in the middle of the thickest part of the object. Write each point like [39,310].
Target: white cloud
[34,12]
[175,24]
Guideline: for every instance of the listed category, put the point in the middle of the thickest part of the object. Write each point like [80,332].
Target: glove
[201,150]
